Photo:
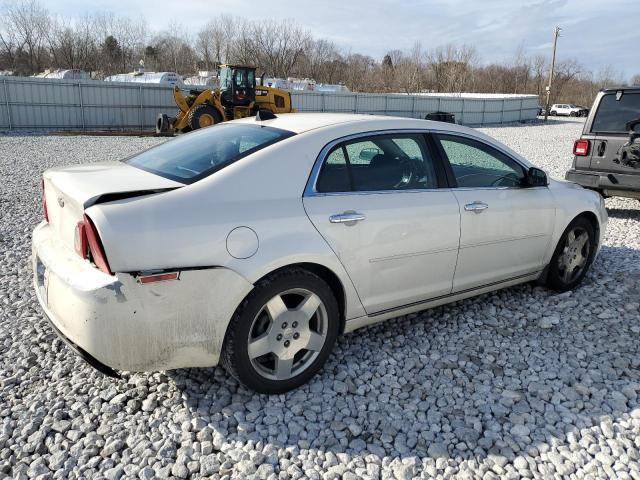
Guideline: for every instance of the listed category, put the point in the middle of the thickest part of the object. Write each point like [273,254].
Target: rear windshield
[198,154]
[612,114]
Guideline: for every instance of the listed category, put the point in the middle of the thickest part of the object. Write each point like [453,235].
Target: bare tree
[130,34]
[72,43]
[29,22]
[358,71]
[214,41]
[320,61]
[452,67]
[279,46]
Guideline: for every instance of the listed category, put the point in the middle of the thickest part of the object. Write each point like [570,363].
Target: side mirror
[536,178]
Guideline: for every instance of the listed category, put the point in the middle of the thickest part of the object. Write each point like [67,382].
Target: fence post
[386,104]
[462,113]
[520,119]
[355,104]
[81,105]
[502,112]
[141,109]
[6,101]
[413,107]
[323,105]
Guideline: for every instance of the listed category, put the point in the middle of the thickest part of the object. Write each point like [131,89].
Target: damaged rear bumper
[117,323]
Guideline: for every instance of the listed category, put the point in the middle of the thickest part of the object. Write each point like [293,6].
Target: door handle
[347,217]
[602,147]
[476,207]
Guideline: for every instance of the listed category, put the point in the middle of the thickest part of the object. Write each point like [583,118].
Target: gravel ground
[520,383]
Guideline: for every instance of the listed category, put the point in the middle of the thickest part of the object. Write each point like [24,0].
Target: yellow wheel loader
[237,97]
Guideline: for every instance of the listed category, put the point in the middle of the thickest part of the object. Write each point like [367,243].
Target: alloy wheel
[287,334]
[575,255]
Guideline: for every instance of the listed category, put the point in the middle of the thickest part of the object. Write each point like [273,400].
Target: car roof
[304,122]
[626,89]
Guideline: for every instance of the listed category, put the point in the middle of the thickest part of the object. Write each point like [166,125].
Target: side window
[476,164]
[612,115]
[378,163]
[334,175]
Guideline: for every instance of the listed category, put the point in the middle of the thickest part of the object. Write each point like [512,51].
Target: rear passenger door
[505,226]
[377,201]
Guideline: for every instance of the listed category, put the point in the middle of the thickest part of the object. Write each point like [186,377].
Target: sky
[598,33]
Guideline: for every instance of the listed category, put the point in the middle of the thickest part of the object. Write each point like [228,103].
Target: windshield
[612,114]
[196,155]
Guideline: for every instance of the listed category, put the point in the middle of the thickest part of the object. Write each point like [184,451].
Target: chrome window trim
[310,188]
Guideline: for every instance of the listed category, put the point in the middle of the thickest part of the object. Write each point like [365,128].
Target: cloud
[596,33]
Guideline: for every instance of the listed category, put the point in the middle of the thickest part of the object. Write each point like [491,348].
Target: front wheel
[283,332]
[203,115]
[554,113]
[573,255]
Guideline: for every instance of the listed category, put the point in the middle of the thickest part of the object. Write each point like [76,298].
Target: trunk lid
[70,190]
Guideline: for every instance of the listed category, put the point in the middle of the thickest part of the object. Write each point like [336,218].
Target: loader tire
[203,116]
[162,124]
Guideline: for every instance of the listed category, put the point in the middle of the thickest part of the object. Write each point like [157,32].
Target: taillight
[86,235]
[44,204]
[581,148]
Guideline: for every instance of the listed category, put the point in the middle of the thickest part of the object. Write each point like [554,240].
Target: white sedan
[255,243]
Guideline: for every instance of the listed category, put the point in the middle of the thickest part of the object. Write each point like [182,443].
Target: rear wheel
[554,113]
[573,255]
[282,333]
[572,114]
[203,116]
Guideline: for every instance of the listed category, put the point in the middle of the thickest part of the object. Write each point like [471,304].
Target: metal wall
[468,110]
[36,103]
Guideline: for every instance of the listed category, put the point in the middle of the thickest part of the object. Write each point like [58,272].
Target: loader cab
[237,85]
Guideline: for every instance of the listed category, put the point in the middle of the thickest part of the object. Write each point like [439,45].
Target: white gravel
[519,383]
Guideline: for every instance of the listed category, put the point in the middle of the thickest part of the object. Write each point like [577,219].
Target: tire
[162,123]
[572,114]
[279,334]
[553,113]
[203,115]
[572,258]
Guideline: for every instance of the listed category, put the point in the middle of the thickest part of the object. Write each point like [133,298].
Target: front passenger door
[505,226]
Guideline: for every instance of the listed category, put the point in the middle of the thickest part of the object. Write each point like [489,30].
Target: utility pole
[556,34]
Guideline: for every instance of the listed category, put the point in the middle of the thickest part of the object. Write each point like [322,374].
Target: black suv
[607,155]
